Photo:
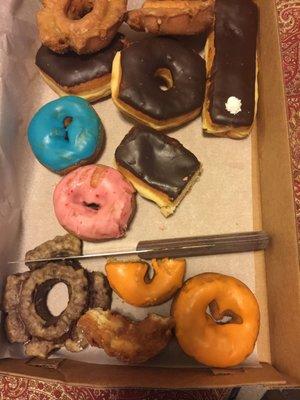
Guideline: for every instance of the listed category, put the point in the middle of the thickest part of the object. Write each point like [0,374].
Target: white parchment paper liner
[220,202]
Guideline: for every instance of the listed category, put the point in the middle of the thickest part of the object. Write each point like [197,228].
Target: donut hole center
[51,298]
[164,78]
[77,9]
[150,274]
[92,206]
[226,317]
[58,292]
[67,121]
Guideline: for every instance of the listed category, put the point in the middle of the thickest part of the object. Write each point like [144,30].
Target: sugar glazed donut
[213,343]
[84,26]
[129,341]
[131,280]
[94,202]
[175,17]
[159,82]
[65,133]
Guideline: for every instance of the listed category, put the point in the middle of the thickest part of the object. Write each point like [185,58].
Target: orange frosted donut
[131,281]
[213,343]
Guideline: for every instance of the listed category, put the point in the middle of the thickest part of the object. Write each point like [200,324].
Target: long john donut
[212,343]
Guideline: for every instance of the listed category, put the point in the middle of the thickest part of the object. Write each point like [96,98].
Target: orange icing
[200,336]
[130,280]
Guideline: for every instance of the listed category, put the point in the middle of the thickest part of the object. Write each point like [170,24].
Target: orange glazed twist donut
[216,344]
[84,26]
[130,280]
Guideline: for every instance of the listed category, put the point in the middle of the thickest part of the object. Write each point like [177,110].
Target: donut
[28,319]
[87,75]
[200,335]
[172,17]
[94,202]
[160,168]
[83,26]
[129,341]
[143,70]
[60,246]
[65,134]
[132,283]
[230,53]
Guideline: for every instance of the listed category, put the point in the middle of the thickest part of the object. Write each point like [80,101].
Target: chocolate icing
[140,88]
[234,65]
[158,160]
[71,69]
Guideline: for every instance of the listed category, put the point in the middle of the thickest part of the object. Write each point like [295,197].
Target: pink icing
[110,198]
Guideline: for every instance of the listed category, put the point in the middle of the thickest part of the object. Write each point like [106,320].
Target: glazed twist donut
[84,26]
[213,343]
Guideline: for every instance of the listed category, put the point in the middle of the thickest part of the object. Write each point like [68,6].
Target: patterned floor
[29,389]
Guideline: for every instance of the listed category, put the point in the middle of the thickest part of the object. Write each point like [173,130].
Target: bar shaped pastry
[158,166]
[230,54]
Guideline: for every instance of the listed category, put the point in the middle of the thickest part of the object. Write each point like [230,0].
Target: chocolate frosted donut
[230,54]
[160,168]
[140,72]
[86,75]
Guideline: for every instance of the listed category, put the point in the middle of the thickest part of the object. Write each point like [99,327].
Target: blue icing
[59,147]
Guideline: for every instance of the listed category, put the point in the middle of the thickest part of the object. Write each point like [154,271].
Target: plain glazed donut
[172,17]
[129,341]
[94,202]
[84,26]
[139,74]
[66,133]
[216,344]
[131,281]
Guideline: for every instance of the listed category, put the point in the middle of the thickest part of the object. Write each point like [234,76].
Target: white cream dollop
[233,105]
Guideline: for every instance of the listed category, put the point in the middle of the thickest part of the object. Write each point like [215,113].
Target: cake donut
[132,283]
[86,75]
[28,319]
[94,202]
[230,53]
[200,335]
[172,17]
[129,341]
[83,26]
[160,168]
[158,82]
[65,133]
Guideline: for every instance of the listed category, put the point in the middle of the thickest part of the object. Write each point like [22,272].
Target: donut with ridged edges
[84,26]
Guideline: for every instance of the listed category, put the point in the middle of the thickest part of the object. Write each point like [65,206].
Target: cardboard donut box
[277,269]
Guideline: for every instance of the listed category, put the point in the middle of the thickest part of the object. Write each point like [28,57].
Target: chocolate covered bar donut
[230,53]
[159,167]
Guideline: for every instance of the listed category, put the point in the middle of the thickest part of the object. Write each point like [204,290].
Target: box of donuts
[147,215]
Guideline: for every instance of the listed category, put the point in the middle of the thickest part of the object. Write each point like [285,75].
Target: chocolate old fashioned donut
[142,71]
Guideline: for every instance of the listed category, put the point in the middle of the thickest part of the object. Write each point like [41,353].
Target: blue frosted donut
[65,133]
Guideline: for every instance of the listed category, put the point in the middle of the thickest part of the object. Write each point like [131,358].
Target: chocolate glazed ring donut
[137,88]
[33,308]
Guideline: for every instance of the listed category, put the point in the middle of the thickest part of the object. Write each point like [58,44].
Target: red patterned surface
[289,29]
[29,389]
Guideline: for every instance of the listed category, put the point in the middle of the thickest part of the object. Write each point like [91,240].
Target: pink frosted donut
[94,202]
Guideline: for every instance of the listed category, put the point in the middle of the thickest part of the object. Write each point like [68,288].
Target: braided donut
[84,26]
